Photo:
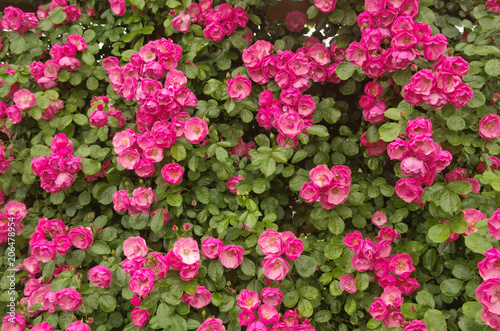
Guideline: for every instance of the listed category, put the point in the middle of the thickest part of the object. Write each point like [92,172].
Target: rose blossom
[347,283]
[239,88]
[275,267]
[295,20]
[489,127]
[401,264]
[248,300]
[172,173]
[195,130]
[68,299]
[231,256]
[81,237]
[379,218]
[268,314]
[139,317]
[134,247]
[488,294]
[187,250]
[212,324]
[199,299]
[271,296]
[142,282]
[489,267]
[210,247]
[409,189]
[231,184]
[100,276]
[271,243]
[77,326]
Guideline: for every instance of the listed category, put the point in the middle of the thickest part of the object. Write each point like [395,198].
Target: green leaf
[305,266]
[299,156]
[389,131]
[492,67]
[336,225]
[99,247]
[460,271]
[477,243]
[323,316]
[460,187]
[309,292]
[138,3]
[449,201]
[90,166]
[345,70]
[92,83]
[178,152]
[455,123]
[291,298]
[434,320]
[190,287]
[439,233]
[107,303]
[362,281]
[157,221]
[312,12]
[268,167]
[350,306]
[215,270]
[425,299]
[451,286]
[305,308]
[478,100]
[48,269]
[248,267]
[318,130]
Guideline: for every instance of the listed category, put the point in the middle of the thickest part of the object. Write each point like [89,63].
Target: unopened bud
[86,310]
[79,275]
[186,227]
[175,228]
[172,12]
[193,203]
[414,67]
[90,216]
[90,320]
[451,51]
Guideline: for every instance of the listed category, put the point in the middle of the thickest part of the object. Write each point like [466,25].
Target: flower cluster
[12,211]
[330,186]
[267,311]
[421,158]
[495,163]
[290,115]
[100,111]
[373,106]
[5,161]
[217,23]
[472,217]
[100,276]
[198,299]
[376,256]
[392,23]
[140,151]
[441,85]
[50,238]
[230,256]
[489,127]
[289,69]
[16,20]
[459,174]
[38,292]
[273,244]
[488,293]
[62,57]
[23,100]
[141,200]
[139,80]
[73,13]
[494,224]
[242,148]
[57,172]
[494,5]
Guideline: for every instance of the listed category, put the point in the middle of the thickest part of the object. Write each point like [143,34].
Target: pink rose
[290,124]
[43,327]
[321,176]
[231,184]
[19,324]
[134,247]
[118,7]
[347,283]
[461,96]
[98,118]
[246,316]
[409,189]
[239,88]
[325,6]
[488,294]
[271,296]
[271,243]
[210,247]
[392,296]
[401,264]
[143,197]
[78,326]
[142,282]
[275,267]
[268,314]
[379,218]
[212,324]
[100,276]
[494,225]
[24,99]
[139,317]
[378,309]
[187,250]
[407,285]
[434,46]
[81,237]
[415,325]
[231,256]
[352,240]
[295,20]
[195,130]
[199,299]
[121,201]
[489,127]
[68,299]
[310,192]
[172,173]
[293,248]
[214,31]
[129,158]
[181,22]
[248,300]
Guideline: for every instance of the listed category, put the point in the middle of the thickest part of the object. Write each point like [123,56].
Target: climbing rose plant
[185,165]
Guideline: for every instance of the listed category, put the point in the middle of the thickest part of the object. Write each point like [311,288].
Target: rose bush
[185,165]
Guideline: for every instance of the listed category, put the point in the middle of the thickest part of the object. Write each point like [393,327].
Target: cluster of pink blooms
[489,127]
[36,291]
[391,22]
[290,115]
[12,211]
[373,149]
[73,13]
[16,20]
[23,100]
[291,69]
[273,244]
[57,172]
[141,200]
[140,151]
[51,237]
[266,310]
[230,256]
[5,162]
[488,293]
[101,110]
[139,80]
[63,57]
[440,85]
[495,163]
[421,158]
[494,5]
[330,186]
[377,257]
[217,23]
[19,324]
[373,106]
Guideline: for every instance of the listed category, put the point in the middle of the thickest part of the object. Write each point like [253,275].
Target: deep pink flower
[231,256]
[347,283]
[275,267]
[239,88]
[199,299]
